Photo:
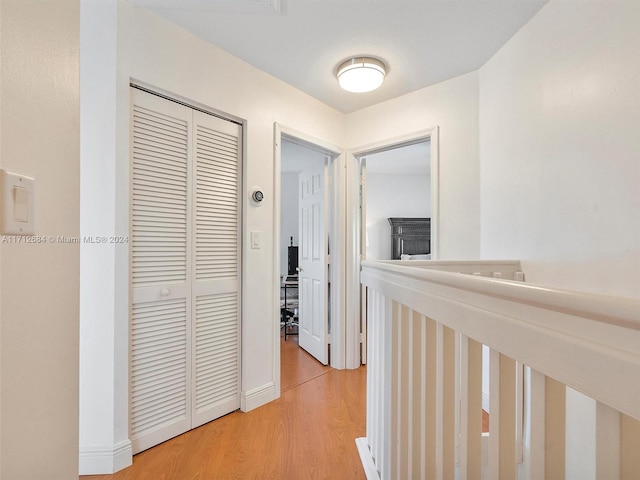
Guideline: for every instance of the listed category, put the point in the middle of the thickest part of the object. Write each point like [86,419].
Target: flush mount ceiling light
[361,74]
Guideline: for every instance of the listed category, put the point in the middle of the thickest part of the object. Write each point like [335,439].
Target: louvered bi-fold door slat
[185,303]
[160,400]
[216,386]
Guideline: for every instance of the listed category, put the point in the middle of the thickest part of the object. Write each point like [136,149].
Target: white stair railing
[427,323]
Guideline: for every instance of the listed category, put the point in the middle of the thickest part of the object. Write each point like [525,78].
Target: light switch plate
[255,240]
[18,208]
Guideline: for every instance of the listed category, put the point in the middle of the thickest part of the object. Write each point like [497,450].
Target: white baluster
[470,400]
[607,442]
[630,438]
[502,431]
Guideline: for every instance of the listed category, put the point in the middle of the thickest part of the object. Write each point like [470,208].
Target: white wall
[104,310]
[390,195]
[560,163]
[559,147]
[289,216]
[149,49]
[453,106]
[39,137]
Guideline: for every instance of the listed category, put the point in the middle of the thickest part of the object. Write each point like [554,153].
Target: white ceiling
[301,42]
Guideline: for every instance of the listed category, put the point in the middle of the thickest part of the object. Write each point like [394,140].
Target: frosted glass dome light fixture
[361,74]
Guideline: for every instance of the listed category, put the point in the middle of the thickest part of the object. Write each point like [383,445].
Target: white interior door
[312,264]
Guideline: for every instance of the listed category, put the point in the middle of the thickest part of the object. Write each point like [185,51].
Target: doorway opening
[304,232]
[398,184]
[305,200]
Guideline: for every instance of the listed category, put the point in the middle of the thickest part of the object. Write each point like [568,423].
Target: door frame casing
[355,337]
[336,278]
[348,329]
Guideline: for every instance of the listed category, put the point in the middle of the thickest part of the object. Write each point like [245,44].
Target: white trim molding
[256,397]
[255,7]
[366,458]
[105,459]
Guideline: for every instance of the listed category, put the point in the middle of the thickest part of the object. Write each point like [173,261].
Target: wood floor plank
[297,366]
[309,433]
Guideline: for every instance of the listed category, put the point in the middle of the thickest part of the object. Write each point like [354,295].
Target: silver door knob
[298,269]
[165,292]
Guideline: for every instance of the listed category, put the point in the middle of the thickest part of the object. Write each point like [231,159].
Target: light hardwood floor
[308,433]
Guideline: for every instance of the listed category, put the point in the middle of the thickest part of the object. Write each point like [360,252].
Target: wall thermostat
[257,196]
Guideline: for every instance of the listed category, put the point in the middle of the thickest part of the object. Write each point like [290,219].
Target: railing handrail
[585,340]
[610,309]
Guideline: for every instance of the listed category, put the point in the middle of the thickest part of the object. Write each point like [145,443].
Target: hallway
[308,433]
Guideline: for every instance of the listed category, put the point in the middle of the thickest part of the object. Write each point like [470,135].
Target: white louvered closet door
[181,367]
[216,287]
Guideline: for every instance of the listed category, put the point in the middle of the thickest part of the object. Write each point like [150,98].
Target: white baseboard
[256,397]
[105,459]
[368,464]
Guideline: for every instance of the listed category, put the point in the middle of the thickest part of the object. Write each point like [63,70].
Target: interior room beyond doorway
[397,185]
[304,237]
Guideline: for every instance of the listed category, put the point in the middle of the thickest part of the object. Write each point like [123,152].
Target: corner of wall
[105,459]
